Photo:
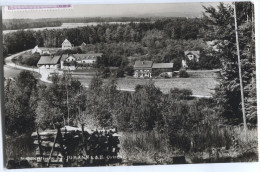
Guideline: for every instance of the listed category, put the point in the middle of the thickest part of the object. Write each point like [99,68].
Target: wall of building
[145,73]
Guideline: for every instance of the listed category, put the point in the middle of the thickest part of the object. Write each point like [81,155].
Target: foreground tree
[221,27]
[20,97]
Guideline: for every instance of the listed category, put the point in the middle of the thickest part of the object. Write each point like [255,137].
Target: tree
[220,23]
[20,97]
[129,70]
[120,72]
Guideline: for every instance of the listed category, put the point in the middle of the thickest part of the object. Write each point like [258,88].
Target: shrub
[183,73]
[181,93]
[129,70]
[120,72]
[106,73]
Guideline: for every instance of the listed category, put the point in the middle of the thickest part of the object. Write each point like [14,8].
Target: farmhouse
[49,62]
[89,58]
[159,68]
[190,55]
[36,49]
[68,62]
[143,69]
[66,45]
[72,60]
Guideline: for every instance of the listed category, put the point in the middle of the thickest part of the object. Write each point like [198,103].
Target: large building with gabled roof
[145,69]
[49,62]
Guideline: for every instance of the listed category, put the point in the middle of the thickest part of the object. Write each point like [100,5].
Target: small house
[49,62]
[46,52]
[68,62]
[83,45]
[89,58]
[66,45]
[36,49]
[190,55]
[143,69]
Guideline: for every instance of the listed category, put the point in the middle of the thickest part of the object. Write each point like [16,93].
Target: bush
[183,94]
[192,64]
[129,70]
[29,60]
[106,73]
[183,73]
[120,72]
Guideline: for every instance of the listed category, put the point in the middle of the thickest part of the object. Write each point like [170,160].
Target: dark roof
[44,60]
[196,53]
[64,57]
[143,64]
[162,65]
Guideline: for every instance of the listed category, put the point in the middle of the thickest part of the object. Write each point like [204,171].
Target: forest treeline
[16,24]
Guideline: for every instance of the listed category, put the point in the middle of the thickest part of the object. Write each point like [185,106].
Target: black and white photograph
[129,84]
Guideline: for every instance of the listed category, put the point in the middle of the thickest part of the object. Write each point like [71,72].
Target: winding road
[43,72]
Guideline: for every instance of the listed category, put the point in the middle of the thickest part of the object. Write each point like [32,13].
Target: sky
[114,10]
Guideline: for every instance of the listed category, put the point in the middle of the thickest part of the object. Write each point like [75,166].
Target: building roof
[64,57]
[162,65]
[196,53]
[36,49]
[83,44]
[48,60]
[81,56]
[143,64]
[66,41]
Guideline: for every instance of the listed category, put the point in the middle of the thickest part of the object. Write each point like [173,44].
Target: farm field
[200,82]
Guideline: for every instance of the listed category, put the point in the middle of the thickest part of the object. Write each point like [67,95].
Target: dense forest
[163,40]
[16,24]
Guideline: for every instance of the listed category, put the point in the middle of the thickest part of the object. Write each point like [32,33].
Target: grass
[154,148]
[11,72]
[148,147]
[200,83]
[19,146]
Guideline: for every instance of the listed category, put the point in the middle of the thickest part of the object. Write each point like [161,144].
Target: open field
[11,72]
[200,82]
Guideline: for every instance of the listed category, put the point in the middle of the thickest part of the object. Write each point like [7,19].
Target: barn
[49,62]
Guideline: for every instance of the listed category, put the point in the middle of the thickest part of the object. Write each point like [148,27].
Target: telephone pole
[240,71]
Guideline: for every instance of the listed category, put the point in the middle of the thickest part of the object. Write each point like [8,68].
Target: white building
[36,49]
[66,45]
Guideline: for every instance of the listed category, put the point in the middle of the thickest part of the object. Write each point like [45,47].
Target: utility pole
[67,92]
[240,71]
